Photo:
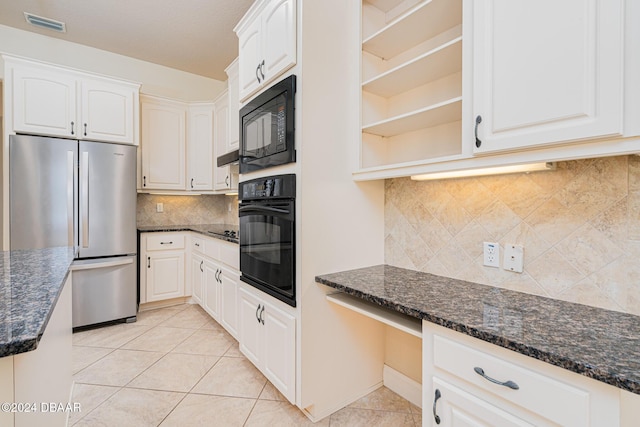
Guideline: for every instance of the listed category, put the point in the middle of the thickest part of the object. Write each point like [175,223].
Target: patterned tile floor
[177,367]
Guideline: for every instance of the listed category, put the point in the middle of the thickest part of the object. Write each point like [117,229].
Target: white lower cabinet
[468,382]
[162,266]
[197,277]
[214,278]
[229,282]
[212,289]
[454,407]
[267,339]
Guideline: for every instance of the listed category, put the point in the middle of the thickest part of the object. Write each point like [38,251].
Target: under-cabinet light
[160,193]
[48,23]
[231,194]
[499,170]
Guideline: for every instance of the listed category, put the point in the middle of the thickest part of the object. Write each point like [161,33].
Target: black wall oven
[267,235]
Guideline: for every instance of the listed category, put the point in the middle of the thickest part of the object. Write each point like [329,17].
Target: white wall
[155,79]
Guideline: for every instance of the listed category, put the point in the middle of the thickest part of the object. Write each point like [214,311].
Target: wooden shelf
[416,26]
[408,324]
[432,115]
[432,65]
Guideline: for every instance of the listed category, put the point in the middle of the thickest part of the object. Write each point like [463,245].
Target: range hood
[230,158]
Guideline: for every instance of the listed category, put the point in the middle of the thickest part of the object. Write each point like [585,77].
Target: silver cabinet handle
[144,181]
[257,310]
[509,384]
[72,132]
[226,180]
[85,129]
[262,69]
[191,182]
[148,262]
[70,204]
[167,243]
[201,263]
[85,199]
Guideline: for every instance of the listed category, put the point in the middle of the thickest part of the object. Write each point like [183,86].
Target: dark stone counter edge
[595,373]
[23,345]
[169,228]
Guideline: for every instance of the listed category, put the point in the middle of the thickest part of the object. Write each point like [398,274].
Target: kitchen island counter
[600,344]
[31,282]
[210,230]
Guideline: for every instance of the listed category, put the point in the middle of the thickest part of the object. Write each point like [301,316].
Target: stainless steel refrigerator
[81,194]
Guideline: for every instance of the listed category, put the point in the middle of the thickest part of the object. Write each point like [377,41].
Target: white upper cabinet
[177,145]
[224,177]
[267,44]
[109,112]
[44,102]
[233,85]
[49,100]
[163,144]
[200,147]
[547,72]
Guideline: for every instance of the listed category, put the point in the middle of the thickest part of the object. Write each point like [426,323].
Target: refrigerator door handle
[100,264]
[70,191]
[85,198]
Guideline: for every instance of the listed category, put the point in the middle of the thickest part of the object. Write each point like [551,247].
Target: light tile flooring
[177,367]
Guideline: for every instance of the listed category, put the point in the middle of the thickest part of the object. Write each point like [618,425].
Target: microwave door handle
[262,209]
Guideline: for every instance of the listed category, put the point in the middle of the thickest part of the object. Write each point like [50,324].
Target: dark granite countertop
[30,283]
[210,230]
[597,343]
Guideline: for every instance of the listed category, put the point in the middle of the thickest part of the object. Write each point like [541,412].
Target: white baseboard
[402,385]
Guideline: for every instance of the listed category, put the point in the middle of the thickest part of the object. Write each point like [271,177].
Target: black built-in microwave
[267,128]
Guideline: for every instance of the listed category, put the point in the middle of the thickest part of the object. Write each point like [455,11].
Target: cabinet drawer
[212,248]
[197,244]
[230,254]
[165,241]
[535,392]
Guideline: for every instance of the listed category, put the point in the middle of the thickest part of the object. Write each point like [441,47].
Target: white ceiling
[190,35]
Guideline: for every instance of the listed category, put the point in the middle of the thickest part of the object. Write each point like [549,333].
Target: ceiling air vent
[47,23]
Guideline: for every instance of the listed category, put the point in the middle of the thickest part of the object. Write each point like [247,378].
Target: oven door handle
[263,209]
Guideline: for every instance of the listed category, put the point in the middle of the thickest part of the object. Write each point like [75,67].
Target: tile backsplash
[579,225]
[205,209]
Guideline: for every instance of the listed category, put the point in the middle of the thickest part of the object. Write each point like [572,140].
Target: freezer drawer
[104,289]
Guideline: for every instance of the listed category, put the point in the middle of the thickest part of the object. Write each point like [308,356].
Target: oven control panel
[271,187]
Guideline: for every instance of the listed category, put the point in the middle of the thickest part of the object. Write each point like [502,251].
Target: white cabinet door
[546,72]
[163,145]
[44,102]
[455,407]
[165,275]
[267,46]
[250,327]
[108,112]
[278,38]
[279,349]
[212,289]
[233,86]
[229,300]
[197,277]
[267,339]
[249,58]
[222,175]
[200,147]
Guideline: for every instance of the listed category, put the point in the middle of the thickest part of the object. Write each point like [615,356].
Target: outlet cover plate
[491,254]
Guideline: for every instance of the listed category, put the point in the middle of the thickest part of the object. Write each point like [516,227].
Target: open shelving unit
[411,88]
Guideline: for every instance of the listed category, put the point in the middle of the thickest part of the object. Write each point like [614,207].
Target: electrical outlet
[159,207]
[491,254]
